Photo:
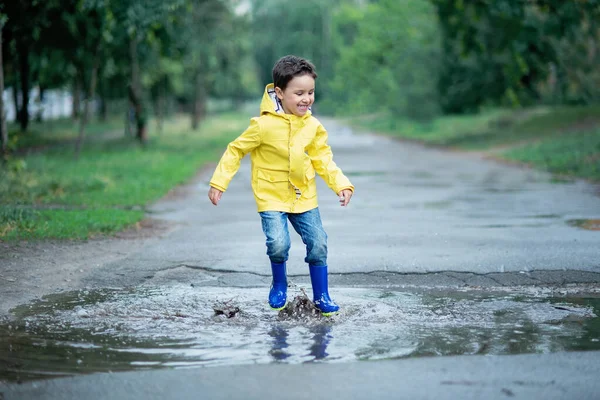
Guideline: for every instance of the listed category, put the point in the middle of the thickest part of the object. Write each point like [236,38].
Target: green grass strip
[487,129]
[576,154]
[63,224]
[440,131]
[50,194]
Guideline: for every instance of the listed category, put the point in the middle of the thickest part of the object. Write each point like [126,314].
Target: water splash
[110,329]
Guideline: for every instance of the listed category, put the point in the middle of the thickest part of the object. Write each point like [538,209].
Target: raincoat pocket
[311,187]
[273,185]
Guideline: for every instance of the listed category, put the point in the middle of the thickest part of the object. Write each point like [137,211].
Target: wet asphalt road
[419,218]
[549,377]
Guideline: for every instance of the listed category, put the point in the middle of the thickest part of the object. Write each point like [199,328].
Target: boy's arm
[232,157]
[322,160]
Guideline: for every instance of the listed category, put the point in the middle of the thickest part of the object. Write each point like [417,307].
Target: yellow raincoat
[285,152]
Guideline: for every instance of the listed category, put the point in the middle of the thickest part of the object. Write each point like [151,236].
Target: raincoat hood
[271,104]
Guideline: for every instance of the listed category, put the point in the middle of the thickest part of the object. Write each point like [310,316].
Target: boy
[287,145]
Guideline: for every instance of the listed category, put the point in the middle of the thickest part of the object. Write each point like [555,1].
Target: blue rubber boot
[318,278]
[278,292]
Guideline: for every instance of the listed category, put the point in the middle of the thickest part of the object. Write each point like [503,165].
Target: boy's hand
[345,196]
[214,195]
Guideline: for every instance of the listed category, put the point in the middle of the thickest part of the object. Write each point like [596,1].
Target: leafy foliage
[389,62]
[150,45]
[514,52]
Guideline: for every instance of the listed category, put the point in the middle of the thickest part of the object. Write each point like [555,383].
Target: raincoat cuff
[219,187]
[351,188]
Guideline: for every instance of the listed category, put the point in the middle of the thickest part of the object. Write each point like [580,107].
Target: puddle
[118,330]
[365,173]
[561,179]
[546,216]
[428,185]
[587,224]
[438,205]
[422,174]
[503,226]
[504,190]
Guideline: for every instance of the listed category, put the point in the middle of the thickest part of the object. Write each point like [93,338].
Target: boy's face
[298,96]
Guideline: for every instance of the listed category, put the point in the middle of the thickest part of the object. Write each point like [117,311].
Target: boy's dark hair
[289,67]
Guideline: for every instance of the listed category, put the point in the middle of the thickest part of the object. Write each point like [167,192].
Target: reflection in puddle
[118,330]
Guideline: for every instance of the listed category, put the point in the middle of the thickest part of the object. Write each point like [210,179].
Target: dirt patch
[146,228]
[29,270]
[587,224]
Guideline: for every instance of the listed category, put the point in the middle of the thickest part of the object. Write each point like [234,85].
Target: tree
[212,47]
[34,53]
[280,27]
[96,17]
[25,22]
[136,23]
[502,52]
[388,60]
[3,131]
[133,49]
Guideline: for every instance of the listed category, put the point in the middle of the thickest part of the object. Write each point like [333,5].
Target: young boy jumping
[287,145]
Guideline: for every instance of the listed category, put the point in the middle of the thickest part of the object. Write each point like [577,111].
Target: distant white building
[56,104]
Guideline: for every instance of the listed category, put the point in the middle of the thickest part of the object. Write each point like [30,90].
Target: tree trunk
[15,94]
[199,107]
[23,55]
[135,95]
[3,131]
[140,120]
[128,120]
[160,106]
[76,97]
[102,96]
[40,114]
[88,101]
[103,112]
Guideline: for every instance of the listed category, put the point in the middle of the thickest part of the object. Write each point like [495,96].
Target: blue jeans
[309,227]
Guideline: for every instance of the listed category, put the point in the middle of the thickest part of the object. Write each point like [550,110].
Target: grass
[57,132]
[440,131]
[19,223]
[49,194]
[574,155]
[561,140]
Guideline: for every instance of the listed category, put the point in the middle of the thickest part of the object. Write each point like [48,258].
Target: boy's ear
[279,93]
